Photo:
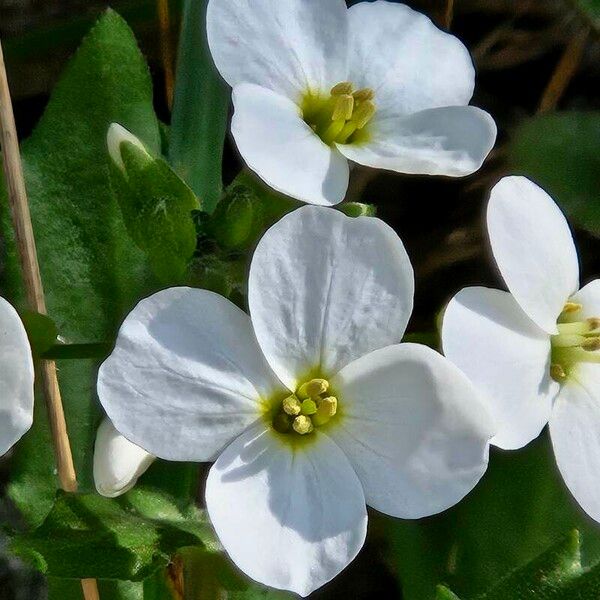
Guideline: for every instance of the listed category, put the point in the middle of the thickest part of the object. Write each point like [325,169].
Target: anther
[363,113]
[591,344]
[344,87]
[364,94]
[291,405]
[594,323]
[557,372]
[571,307]
[302,425]
[344,105]
[312,388]
[327,409]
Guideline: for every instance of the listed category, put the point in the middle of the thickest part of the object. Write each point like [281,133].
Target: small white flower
[307,409]
[118,463]
[534,351]
[315,83]
[16,378]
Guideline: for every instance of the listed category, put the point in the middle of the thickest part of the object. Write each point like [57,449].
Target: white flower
[533,350]
[117,462]
[315,84]
[307,409]
[16,378]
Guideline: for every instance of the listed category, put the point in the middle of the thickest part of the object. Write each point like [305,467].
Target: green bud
[234,218]
[356,209]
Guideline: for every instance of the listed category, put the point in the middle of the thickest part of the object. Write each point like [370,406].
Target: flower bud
[118,463]
[117,134]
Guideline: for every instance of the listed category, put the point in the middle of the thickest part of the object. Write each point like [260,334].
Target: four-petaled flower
[535,350]
[310,407]
[16,378]
[316,84]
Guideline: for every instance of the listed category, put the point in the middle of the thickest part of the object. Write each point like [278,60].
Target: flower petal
[186,375]
[589,298]
[409,63]
[534,249]
[288,47]
[16,378]
[117,462]
[575,433]
[413,428]
[489,337]
[453,141]
[325,289]
[291,517]
[283,150]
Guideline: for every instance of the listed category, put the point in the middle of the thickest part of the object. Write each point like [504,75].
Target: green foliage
[88,536]
[92,272]
[591,8]
[561,152]
[556,574]
[357,209]
[41,331]
[157,209]
[519,509]
[201,104]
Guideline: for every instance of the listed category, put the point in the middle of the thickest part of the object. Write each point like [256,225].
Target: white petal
[325,289]
[414,429]
[534,249]
[117,462]
[288,47]
[488,336]
[450,141]
[116,135]
[575,433]
[283,150]
[589,298]
[16,378]
[186,375]
[291,517]
[409,63]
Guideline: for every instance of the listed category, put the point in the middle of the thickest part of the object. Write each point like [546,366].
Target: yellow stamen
[312,388]
[364,94]
[591,344]
[571,307]
[364,113]
[557,372]
[291,405]
[344,87]
[302,425]
[327,409]
[343,108]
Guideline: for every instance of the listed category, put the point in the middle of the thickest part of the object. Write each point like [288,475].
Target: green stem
[200,108]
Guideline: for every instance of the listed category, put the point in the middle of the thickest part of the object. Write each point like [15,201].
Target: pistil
[339,117]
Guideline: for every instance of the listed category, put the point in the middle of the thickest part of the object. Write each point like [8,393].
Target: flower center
[311,406]
[576,342]
[341,116]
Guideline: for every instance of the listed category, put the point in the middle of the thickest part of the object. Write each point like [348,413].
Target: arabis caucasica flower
[16,378]
[118,463]
[307,406]
[316,84]
[535,350]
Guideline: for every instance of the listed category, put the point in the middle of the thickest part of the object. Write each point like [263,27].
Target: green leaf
[518,510]
[70,589]
[556,574]
[157,208]
[591,8]
[88,536]
[201,104]
[41,331]
[561,152]
[92,271]
[357,209]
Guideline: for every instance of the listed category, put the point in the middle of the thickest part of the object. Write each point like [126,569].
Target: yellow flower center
[340,116]
[576,342]
[310,406]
